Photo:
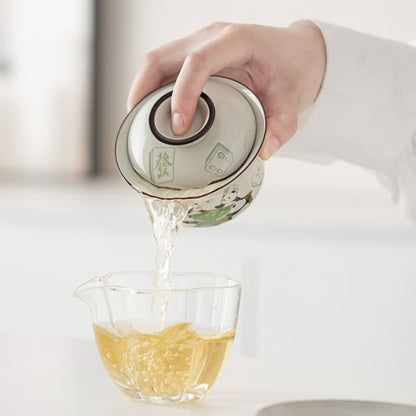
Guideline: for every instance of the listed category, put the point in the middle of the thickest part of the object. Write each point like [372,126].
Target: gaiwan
[214,166]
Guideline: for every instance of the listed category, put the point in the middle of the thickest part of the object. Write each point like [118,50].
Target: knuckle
[197,58]
[152,58]
[217,26]
[290,126]
[235,29]
[238,34]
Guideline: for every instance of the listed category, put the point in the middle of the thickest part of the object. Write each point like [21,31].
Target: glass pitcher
[163,346]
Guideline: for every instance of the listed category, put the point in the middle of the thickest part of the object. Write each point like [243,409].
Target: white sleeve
[366,110]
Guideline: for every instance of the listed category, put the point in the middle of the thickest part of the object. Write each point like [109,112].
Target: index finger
[159,67]
[212,57]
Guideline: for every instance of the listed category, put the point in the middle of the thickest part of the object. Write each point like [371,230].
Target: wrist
[313,60]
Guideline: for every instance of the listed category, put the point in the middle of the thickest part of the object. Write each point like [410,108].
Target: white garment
[366,110]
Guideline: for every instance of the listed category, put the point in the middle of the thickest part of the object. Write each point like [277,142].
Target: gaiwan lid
[224,139]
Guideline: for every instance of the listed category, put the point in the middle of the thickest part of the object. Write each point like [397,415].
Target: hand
[283,66]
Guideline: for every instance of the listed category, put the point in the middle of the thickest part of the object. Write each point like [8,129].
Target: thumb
[280,128]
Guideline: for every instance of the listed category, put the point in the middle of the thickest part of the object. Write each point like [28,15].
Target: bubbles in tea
[169,363]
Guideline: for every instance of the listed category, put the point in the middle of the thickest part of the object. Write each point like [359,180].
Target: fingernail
[272,144]
[177,123]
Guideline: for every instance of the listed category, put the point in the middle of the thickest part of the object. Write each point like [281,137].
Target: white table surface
[65,377]
[328,307]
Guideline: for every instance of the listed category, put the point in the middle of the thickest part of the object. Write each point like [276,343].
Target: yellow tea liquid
[171,362]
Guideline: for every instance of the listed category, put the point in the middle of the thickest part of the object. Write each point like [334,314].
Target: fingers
[145,81]
[164,63]
[225,51]
[194,58]
[159,67]
[280,128]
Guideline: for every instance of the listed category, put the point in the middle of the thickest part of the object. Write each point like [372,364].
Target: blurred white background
[327,262]
[45,93]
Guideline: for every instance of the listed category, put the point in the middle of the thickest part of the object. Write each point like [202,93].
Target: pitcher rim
[87,284]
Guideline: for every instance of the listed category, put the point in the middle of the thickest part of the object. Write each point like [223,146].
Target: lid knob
[161,123]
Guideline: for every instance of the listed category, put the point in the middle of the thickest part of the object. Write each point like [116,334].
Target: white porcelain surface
[220,171]
[193,165]
[186,171]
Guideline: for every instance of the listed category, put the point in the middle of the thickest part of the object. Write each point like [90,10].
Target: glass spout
[119,301]
[97,294]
